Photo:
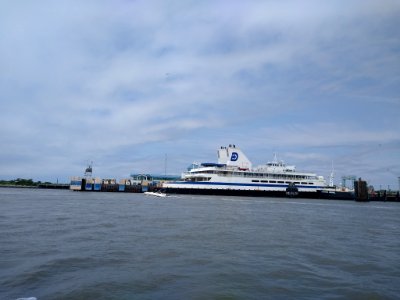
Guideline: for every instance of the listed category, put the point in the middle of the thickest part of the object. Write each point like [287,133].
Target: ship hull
[234,175]
[260,193]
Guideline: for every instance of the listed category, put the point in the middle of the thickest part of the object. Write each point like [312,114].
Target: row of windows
[199,179]
[274,181]
[258,175]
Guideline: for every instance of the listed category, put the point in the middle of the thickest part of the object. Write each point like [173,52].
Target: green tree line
[21,182]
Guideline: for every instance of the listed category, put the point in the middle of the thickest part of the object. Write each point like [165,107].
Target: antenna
[165,164]
[332,176]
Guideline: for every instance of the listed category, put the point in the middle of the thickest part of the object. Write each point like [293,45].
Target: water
[72,245]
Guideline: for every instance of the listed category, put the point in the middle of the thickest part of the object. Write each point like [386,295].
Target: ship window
[280,182]
[255,181]
[296,182]
[264,181]
[272,181]
[311,183]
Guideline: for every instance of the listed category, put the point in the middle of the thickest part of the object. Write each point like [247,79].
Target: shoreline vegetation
[21,182]
[29,183]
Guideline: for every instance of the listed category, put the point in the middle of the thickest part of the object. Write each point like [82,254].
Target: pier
[138,183]
[58,186]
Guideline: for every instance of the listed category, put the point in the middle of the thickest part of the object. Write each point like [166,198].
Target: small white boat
[156,194]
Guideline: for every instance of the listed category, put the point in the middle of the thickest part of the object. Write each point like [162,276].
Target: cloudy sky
[126,84]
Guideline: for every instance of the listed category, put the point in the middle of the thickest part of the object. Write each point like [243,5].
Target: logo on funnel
[234,156]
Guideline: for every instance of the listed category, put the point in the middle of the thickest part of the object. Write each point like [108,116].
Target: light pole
[165,165]
[399,183]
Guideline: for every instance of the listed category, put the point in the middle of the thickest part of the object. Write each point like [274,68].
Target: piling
[361,190]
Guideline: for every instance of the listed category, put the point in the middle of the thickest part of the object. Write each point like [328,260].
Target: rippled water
[73,245]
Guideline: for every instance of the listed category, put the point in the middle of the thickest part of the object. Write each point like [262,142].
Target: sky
[151,86]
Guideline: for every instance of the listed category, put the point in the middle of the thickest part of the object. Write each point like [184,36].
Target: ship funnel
[233,156]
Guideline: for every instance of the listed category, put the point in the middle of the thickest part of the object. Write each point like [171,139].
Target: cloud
[328,135]
[112,82]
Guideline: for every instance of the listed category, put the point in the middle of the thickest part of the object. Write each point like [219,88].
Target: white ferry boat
[235,175]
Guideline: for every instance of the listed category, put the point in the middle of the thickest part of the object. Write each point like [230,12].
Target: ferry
[234,174]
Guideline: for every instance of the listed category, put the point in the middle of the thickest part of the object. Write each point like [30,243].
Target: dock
[58,186]
[138,183]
